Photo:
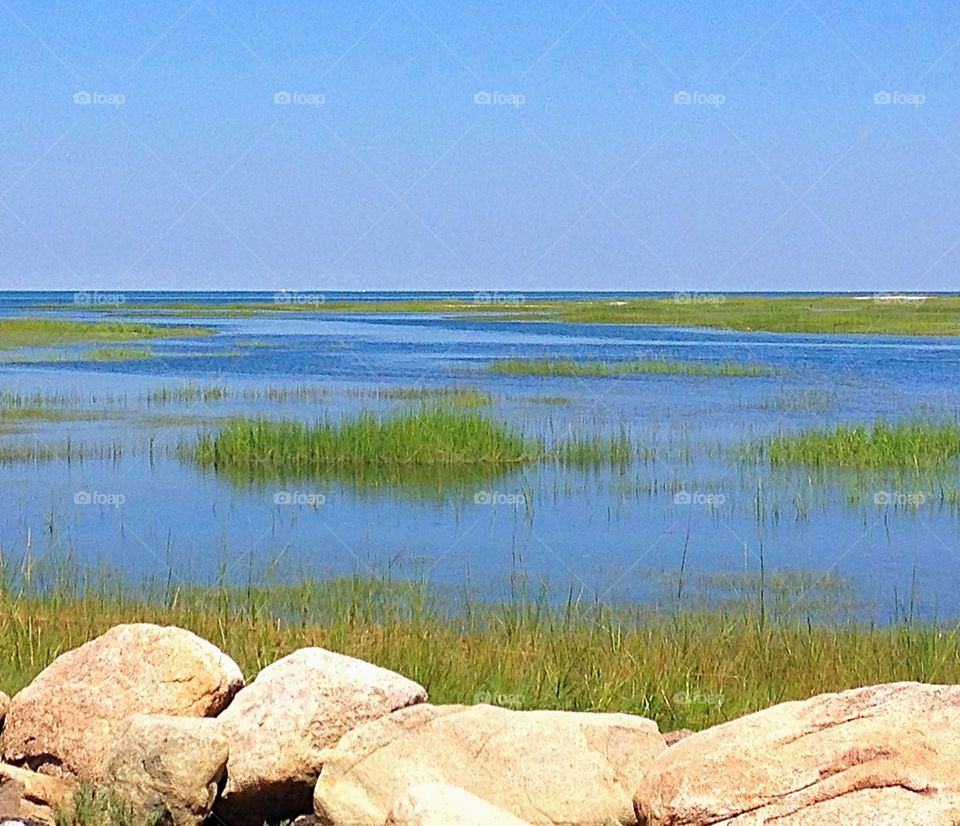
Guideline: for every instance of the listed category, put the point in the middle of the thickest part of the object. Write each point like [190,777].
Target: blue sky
[712,146]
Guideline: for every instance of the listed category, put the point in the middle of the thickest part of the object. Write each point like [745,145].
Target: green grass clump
[456,395]
[428,449]
[119,354]
[428,437]
[597,369]
[47,332]
[907,445]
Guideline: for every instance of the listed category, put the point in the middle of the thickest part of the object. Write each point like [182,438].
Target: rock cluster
[161,719]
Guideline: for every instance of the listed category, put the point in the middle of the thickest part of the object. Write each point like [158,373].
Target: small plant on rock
[99,806]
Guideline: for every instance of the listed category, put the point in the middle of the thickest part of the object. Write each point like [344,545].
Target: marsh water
[699,515]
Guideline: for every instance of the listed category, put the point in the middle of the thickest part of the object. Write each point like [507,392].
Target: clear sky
[604,144]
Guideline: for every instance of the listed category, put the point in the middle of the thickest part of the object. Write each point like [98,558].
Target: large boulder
[169,763]
[545,767]
[433,804]
[883,755]
[67,719]
[287,716]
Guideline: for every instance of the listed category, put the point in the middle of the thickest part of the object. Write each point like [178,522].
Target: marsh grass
[427,437]
[600,369]
[186,393]
[920,446]
[66,452]
[217,392]
[54,414]
[684,666]
[865,315]
[118,354]
[455,395]
[458,395]
[803,401]
[931,316]
[595,451]
[48,332]
[937,315]
[429,449]
[60,399]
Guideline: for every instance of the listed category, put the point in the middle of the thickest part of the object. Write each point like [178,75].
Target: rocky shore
[164,721]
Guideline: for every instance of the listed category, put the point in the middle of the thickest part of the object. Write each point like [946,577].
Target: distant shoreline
[893,314]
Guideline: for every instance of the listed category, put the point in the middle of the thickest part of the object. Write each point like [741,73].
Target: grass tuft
[907,445]
[428,437]
[119,354]
[598,369]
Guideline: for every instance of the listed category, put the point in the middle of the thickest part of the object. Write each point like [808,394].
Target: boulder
[171,763]
[28,796]
[545,767]
[433,804]
[67,719]
[280,723]
[4,707]
[883,755]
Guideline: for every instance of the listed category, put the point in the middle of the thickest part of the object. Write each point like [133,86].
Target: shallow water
[613,534]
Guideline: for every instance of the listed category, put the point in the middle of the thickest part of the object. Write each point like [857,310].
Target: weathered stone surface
[295,708]
[4,707]
[545,767]
[172,763]
[66,720]
[879,756]
[434,804]
[28,796]
[674,737]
